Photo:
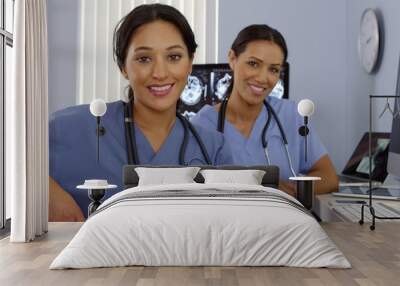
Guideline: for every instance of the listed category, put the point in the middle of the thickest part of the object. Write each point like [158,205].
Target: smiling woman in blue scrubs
[256,58]
[154,48]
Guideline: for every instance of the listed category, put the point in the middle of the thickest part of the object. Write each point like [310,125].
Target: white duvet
[265,229]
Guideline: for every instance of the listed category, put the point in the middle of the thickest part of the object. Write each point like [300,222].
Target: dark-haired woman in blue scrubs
[154,48]
[257,57]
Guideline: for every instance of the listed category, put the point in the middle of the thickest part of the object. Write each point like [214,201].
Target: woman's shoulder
[208,134]
[216,145]
[70,111]
[77,120]
[206,116]
[281,103]
[285,108]
[81,111]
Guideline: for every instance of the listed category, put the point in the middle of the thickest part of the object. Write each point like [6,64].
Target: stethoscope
[130,137]
[270,111]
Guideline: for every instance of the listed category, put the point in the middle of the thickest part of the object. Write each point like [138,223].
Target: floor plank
[375,257]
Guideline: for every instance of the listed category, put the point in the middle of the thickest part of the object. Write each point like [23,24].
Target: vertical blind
[99,76]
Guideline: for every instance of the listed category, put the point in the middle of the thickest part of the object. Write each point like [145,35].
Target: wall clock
[368,40]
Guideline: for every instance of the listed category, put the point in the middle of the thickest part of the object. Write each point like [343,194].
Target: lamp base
[95,195]
[305,190]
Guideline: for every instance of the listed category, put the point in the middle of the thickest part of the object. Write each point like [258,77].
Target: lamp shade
[305,107]
[98,107]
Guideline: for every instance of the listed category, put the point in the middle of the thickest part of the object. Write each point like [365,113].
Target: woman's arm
[288,187]
[62,206]
[329,181]
[322,168]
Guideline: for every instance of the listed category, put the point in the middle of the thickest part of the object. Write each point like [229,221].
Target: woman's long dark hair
[254,33]
[144,14]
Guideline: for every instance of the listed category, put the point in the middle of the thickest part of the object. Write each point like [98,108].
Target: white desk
[324,207]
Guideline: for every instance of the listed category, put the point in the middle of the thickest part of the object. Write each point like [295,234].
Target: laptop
[354,180]
[356,170]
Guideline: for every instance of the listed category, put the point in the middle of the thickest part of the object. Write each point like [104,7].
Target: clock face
[368,41]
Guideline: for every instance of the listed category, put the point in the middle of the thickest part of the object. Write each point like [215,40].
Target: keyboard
[383,192]
[347,181]
[352,212]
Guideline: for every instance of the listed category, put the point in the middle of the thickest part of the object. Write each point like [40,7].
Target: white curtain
[99,76]
[27,124]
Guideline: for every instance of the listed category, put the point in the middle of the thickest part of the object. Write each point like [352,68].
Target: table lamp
[305,184]
[98,108]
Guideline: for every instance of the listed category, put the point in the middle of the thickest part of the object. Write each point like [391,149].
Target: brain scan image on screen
[188,114]
[209,83]
[222,86]
[278,90]
[193,91]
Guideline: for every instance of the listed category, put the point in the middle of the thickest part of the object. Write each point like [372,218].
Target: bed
[202,222]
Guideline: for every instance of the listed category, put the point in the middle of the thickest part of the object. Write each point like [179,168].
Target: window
[6,44]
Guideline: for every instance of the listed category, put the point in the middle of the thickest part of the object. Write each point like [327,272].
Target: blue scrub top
[249,151]
[72,149]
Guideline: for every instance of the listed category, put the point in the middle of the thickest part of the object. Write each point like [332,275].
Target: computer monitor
[394,149]
[209,83]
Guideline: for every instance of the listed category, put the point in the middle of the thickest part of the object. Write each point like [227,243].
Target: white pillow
[248,177]
[163,176]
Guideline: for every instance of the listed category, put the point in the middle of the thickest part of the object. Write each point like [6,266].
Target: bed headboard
[270,179]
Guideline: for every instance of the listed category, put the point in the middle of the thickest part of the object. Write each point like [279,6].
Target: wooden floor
[375,256]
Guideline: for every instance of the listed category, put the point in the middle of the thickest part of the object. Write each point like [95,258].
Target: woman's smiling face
[256,70]
[157,65]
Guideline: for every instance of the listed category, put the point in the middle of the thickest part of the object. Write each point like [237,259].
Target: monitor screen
[394,150]
[208,84]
